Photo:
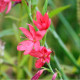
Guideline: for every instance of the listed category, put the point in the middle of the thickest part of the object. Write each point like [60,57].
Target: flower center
[45,55]
[34,41]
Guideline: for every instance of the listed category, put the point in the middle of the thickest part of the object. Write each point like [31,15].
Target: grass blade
[25,58]
[7,32]
[27,71]
[45,7]
[58,10]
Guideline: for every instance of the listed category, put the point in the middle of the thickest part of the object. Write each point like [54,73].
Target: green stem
[19,53]
[30,65]
[30,17]
[19,25]
[44,39]
[46,69]
[30,58]
[50,68]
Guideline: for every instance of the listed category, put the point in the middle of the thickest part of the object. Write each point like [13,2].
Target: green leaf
[6,32]
[12,17]
[58,10]
[25,58]
[45,7]
[27,71]
[78,62]
[6,76]
[25,5]
[28,8]
[0,13]
[16,32]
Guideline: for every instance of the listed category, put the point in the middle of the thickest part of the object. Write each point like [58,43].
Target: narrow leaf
[27,71]
[16,32]
[6,32]
[45,7]
[58,10]
[25,58]
[5,75]
[25,5]
[12,17]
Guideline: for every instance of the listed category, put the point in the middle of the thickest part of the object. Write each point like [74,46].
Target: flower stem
[50,68]
[19,53]
[46,69]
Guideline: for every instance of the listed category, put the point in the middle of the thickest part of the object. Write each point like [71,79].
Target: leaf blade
[58,10]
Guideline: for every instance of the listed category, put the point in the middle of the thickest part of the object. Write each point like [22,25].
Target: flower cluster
[32,46]
[6,4]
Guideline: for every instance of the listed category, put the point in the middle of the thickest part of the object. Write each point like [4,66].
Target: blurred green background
[67,28]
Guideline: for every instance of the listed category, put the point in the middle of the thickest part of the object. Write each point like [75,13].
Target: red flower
[43,22]
[43,56]
[37,75]
[33,40]
[4,4]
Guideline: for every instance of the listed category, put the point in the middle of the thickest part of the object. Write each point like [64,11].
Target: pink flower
[37,75]
[43,56]
[33,40]
[4,4]
[43,22]
[54,76]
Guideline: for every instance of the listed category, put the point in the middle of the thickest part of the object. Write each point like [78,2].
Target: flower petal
[39,63]
[32,30]
[49,22]
[54,76]
[2,8]
[37,45]
[25,45]
[47,59]
[36,54]
[6,0]
[40,34]
[44,26]
[46,17]
[9,7]
[26,32]
[38,16]
[37,25]
[37,75]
